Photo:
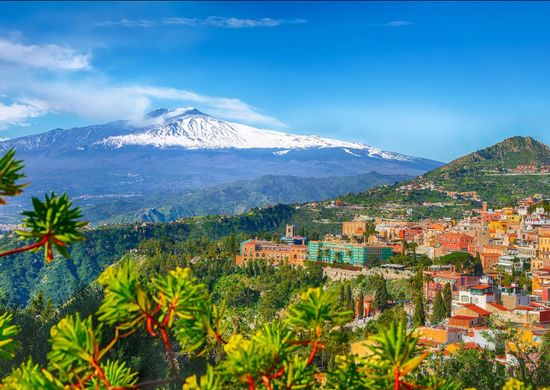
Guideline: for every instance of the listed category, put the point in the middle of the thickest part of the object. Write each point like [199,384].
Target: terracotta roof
[528,308]
[461,317]
[498,306]
[490,255]
[455,234]
[481,287]
[477,309]
[431,343]
[444,274]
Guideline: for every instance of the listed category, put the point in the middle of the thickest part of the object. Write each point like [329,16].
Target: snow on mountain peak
[191,129]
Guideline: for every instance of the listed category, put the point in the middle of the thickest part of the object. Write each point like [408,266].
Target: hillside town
[508,283]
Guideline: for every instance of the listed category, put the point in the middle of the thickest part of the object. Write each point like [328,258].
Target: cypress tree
[342,295]
[438,311]
[361,305]
[419,317]
[478,266]
[448,299]
[351,304]
[256,267]
[250,267]
[349,298]
[381,298]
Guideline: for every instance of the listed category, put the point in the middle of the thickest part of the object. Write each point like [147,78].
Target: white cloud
[230,108]
[100,100]
[398,23]
[17,113]
[211,21]
[392,23]
[91,96]
[126,23]
[218,21]
[48,56]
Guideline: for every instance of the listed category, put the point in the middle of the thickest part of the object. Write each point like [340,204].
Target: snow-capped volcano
[106,166]
[192,129]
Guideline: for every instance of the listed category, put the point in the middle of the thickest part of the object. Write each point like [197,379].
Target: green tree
[52,224]
[474,368]
[361,306]
[439,312]
[349,296]
[419,317]
[235,292]
[411,246]
[381,296]
[448,299]
[41,307]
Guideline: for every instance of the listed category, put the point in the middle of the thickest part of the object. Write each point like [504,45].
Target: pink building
[435,280]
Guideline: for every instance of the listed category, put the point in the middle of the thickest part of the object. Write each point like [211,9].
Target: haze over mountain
[176,151]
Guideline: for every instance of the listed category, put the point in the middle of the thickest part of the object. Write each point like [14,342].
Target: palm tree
[427,280]
[412,247]
[404,246]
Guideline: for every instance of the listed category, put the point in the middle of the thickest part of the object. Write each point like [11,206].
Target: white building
[509,262]
[478,295]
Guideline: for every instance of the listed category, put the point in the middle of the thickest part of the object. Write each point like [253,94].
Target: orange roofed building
[488,261]
[455,242]
[541,283]
[273,252]
[435,280]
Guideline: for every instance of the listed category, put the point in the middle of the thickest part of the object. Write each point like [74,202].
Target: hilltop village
[496,264]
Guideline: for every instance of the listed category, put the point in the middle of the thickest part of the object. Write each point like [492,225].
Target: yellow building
[543,243]
[355,228]
[510,216]
[498,228]
[537,263]
[541,282]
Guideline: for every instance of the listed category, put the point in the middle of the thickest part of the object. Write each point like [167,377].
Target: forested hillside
[23,275]
[489,174]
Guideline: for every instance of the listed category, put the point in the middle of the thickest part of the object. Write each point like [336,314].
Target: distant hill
[489,174]
[507,154]
[234,198]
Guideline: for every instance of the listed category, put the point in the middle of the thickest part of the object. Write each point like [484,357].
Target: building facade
[259,250]
[345,253]
[455,242]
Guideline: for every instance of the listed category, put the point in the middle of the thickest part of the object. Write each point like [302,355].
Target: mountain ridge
[238,197]
[189,129]
[185,150]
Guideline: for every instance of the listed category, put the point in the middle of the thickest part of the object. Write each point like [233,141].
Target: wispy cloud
[211,21]
[49,56]
[26,93]
[15,114]
[127,23]
[230,108]
[398,23]
[100,100]
[392,23]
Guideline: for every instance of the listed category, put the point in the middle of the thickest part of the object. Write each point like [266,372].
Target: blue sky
[430,79]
